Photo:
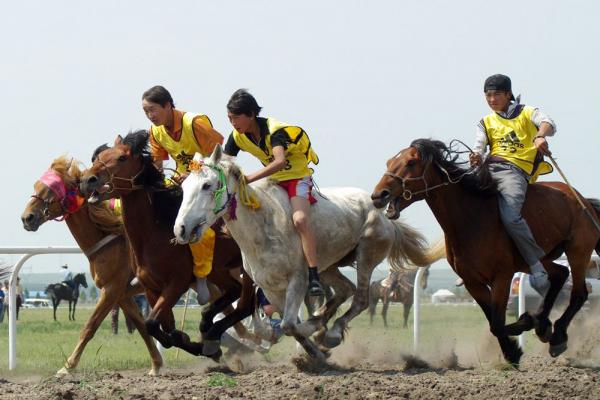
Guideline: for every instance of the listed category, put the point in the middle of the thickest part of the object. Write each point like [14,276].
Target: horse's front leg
[70,303]
[244,308]
[499,298]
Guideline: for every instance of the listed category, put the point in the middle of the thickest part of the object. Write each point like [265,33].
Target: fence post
[417,308]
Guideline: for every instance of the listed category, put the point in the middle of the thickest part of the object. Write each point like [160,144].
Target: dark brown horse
[400,289]
[61,291]
[99,234]
[478,247]
[166,270]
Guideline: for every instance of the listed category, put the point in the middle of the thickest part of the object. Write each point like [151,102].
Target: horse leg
[103,307]
[132,311]
[579,294]
[499,299]
[343,288]
[373,300]
[54,305]
[230,291]
[245,308]
[407,305]
[69,310]
[74,305]
[365,265]
[557,274]
[384,310]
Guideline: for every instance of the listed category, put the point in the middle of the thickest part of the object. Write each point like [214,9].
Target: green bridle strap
[221,191]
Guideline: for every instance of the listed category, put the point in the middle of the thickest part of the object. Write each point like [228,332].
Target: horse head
[207,192]
[115,169]
[55,194]
[79,279]
[427,165]
[408,175]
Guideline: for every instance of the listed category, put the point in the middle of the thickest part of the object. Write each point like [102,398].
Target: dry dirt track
[538,378]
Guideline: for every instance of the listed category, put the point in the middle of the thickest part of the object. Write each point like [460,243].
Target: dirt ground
[539,377]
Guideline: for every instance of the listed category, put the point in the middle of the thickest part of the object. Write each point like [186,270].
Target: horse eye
[122,158]
[206,186]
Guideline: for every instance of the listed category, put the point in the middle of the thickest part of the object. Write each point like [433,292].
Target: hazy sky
[364,78]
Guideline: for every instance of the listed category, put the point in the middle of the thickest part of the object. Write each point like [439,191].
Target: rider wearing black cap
[516,137]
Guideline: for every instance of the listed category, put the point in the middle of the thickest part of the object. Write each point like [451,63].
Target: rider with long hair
[285,152]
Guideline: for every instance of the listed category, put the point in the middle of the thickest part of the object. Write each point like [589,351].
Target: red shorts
[299,187]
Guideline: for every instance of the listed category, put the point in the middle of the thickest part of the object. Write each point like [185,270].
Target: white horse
[348,228]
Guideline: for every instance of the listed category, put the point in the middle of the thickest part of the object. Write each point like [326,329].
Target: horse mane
[442,156]
[166,200]
[104,219]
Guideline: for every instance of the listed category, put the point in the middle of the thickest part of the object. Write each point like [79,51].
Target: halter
[68,198]
[112,178]
[407,194]
[222,191]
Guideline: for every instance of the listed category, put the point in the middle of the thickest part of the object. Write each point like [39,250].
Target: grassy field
[43,344]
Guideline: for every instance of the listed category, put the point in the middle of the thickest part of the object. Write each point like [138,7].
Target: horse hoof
[61,373]
[545,335]
[154,372]
[557,349]
[210,347]
[332,340]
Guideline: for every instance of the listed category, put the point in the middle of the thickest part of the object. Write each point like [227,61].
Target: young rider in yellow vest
[516,136]
[180,134]
[285,151]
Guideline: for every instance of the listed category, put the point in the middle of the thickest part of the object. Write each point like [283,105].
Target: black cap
[498,82]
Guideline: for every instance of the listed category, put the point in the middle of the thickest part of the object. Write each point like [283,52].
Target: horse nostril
[182,230]
[384,195]
[29,218]
[91,180]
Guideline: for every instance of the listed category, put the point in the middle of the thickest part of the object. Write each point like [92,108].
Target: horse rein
[48,203]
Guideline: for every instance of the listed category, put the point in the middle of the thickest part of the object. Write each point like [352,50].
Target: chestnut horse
[479,248]
[99,234]
[165,269]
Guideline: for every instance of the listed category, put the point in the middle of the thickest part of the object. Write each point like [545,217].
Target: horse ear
[118,140]
[217,153]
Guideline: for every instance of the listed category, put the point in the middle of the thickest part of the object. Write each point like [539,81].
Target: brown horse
[400,289]
[165,269]
[99,234]
[479,248]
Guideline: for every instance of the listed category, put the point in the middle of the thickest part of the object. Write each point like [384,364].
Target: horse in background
[479,249]
[398,287]
[61,291]
[99,234]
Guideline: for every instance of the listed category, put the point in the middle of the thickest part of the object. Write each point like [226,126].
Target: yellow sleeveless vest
[298,154]
[181,151]
[512,139]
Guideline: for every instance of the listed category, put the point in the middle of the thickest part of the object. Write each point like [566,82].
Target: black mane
[443,156]
[166,200]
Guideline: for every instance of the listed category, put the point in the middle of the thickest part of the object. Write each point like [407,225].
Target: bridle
[408,194]
[67,198]
[48,203]
[113,178]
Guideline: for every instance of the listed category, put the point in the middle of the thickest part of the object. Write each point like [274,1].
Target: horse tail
[596,205]
[49,288]
[410,246]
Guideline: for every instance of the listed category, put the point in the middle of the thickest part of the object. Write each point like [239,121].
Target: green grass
[43,344]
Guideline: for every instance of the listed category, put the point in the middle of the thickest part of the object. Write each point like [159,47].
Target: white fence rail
[26,253]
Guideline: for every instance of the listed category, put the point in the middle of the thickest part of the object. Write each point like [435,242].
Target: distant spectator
[2,300]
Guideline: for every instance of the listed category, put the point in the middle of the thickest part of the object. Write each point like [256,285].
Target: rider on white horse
[285,151]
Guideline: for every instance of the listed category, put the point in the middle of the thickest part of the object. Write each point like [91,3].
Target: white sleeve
[481,140]
[538,117]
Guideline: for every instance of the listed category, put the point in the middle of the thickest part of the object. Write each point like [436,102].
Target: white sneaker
[202,291]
